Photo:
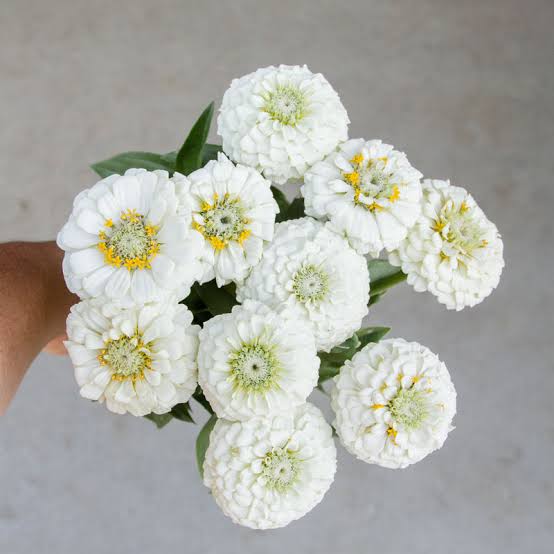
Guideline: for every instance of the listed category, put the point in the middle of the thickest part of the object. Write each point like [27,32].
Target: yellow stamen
[357,159]
[108,223]
[217,243]
[129,264]
[377,406]
[243,236]
[438,226]
[374,207]
[353,178]
[154,248]
[130,215]
[151,230]
[395,194]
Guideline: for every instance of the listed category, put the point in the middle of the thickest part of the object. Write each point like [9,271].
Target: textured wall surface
[466,89]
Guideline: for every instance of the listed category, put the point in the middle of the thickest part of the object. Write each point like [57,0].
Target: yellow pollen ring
[139,262]
[216,242]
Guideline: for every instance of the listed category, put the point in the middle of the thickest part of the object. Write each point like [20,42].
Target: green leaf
[282,202]
[217,300]
[295,210]
[348,347]
[371,334]
[122,162]
[327,370]
[202,443]
[201,399]
[382,276]
[210,152]
[161,420]
[332,361]
[374,298]
[189,157]
[182,412]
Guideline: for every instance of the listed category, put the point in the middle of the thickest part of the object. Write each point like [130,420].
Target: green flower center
[372,182]
[280,469]
[130,243]
[310,284]
[254,367]
[286,104]
[127,357]
[457,225]
[409,408]
[224,221]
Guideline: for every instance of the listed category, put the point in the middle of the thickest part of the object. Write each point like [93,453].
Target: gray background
[465,88]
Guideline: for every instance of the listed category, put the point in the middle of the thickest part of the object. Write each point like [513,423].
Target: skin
[34,303]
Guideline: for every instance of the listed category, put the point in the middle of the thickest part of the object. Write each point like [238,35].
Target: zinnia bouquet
[199,281]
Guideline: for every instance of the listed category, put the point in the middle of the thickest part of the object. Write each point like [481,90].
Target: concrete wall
[465,88]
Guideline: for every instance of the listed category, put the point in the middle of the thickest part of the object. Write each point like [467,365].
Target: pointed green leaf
[218,300]
[331,362]
[210,152]
[371,334]
[295,210]
[382,276]
[161,420]
[189,157]
[327,370]
[282,202]
[201,399]
[182,412]
[122,162]
[202,443]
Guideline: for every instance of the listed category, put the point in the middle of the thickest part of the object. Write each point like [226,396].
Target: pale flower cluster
[137,244]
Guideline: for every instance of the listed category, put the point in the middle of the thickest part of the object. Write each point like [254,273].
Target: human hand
[34,303]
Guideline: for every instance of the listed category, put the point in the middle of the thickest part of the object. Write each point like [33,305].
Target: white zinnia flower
[252,362]
[368,191]
[124,239]
[453,251]
[311,274]
[138,360]
[233,210]
[281,120]
[266,472]
[394,403]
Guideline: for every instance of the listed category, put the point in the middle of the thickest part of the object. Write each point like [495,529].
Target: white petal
[118,283]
